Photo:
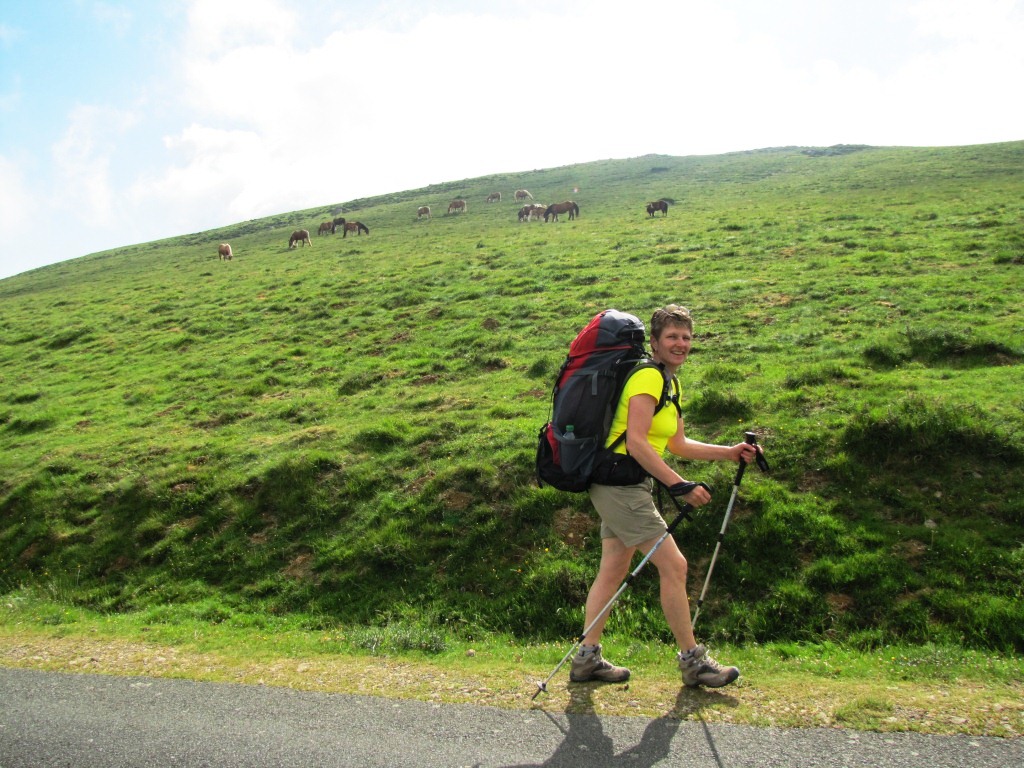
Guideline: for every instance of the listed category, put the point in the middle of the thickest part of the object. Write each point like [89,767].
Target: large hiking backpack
[571,445]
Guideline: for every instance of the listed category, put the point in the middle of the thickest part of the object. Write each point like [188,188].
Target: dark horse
[300,236]
[657,205]
[567,207]
[354,226]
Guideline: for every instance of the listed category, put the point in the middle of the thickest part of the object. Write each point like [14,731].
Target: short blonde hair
[671,314]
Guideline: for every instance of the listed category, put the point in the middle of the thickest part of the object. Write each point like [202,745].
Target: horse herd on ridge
[529,212]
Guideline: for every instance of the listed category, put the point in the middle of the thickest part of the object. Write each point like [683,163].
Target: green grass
[347,431]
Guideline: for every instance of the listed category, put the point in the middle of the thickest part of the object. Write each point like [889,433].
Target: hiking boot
[591,666]
[700,669]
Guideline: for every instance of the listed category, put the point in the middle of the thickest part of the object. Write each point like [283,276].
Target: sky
[126,122]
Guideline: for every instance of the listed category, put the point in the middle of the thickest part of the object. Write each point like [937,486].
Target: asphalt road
[81,721]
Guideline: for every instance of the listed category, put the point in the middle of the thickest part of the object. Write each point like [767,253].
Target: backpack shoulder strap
[673,394]
[672,390]
[670,393]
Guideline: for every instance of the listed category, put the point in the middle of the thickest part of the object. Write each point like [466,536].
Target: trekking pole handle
[683,488]
[684,509]
[751,439]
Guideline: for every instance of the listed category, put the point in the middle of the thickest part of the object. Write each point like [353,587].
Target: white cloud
[221,172]
[228,24]
[17,204]
[979,21]
[82,164]
[960,88]
[20,212]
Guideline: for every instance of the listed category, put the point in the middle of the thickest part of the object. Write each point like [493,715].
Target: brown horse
[567,207]
[355,226]
[457,206]
[657,205]
[423,210]
[494,197]
[300,236]
[224,251]
[522,194]
[326,227]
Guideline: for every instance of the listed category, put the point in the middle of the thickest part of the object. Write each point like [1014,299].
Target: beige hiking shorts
[628,512]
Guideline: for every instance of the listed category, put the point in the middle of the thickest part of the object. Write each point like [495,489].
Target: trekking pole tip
[541,688]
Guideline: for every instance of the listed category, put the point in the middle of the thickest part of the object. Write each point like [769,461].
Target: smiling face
[673,346]
[671,335]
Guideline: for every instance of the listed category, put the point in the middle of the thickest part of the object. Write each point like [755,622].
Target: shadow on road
[585,741]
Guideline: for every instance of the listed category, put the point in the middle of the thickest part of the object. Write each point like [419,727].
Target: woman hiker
[629,518]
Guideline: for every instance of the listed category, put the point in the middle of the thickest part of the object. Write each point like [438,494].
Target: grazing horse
[354,226]
[532,211]
[567,207]
[423,210]
[326,227]
[657,205]
[300,236]
[522,194]
[456,206]
[339,222]
[494,197]
[224,251]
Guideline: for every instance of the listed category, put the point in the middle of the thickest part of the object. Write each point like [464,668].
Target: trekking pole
[762,464]
[684,514]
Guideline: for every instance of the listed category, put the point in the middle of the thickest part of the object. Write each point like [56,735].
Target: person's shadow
[585,742]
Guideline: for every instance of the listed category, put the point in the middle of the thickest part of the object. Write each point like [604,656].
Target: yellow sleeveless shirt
[647,381]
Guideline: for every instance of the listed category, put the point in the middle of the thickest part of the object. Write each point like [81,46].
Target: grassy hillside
[347,431]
